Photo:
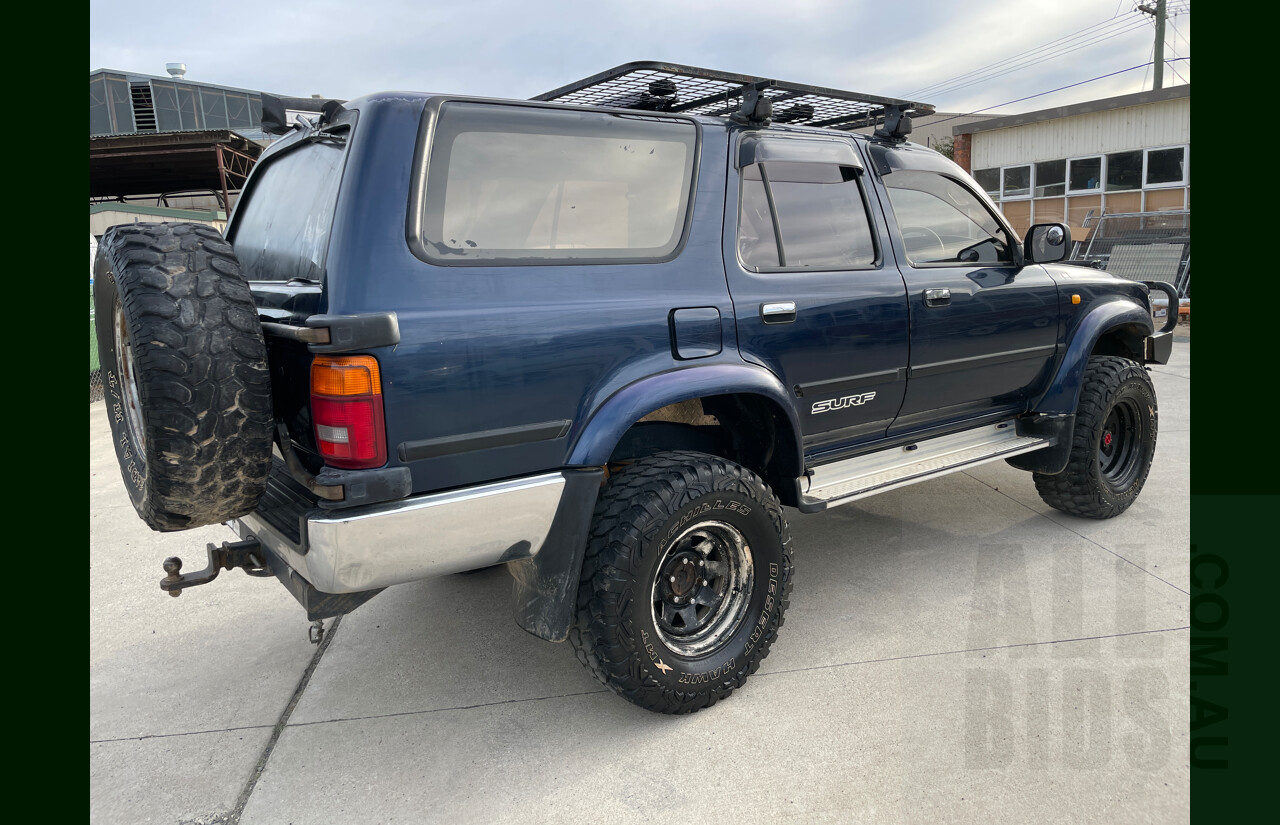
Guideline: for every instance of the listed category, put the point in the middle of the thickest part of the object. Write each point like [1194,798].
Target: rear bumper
[368,548]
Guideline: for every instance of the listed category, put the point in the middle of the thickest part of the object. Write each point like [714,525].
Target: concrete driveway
[955,651]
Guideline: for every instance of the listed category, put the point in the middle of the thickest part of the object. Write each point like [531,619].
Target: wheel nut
[702,563]
[704,582]
[673,579]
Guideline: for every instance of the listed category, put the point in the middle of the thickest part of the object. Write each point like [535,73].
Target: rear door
[814,300]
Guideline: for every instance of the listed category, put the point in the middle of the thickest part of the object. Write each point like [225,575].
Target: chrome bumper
[349,551]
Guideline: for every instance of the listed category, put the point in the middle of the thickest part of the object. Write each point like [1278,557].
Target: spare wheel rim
[127,373]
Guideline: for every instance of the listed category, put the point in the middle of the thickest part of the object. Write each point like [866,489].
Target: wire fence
[95,368]
[1143,246]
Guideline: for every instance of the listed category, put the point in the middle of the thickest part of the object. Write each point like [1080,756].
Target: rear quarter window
[529,185]
[282,228]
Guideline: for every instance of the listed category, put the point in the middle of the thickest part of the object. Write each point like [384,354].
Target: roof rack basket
[671,87]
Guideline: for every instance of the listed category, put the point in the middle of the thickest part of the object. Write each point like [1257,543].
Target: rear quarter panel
[485,348]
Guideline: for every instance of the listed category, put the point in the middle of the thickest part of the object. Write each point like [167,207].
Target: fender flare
[546,585]
[1063,394]
[595,442]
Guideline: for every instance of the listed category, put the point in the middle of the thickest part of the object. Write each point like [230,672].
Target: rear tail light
[346,405]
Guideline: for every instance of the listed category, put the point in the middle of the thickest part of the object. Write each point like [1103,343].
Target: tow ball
[246,555]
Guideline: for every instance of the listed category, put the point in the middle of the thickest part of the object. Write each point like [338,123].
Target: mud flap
[546,584]
[1053,459]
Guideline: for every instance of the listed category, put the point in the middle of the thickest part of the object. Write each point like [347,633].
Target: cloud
[514,48]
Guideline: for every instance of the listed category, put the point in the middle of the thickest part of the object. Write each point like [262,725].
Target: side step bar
[843,481]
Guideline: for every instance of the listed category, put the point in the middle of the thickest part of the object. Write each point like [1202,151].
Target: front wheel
[685,582]
[1112,445]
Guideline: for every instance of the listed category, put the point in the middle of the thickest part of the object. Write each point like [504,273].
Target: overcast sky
[519,48]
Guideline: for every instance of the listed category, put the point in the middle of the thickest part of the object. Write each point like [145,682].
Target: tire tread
[204,384]
[645,493]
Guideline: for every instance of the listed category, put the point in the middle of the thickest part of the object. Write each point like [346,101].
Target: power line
[1051,91]
[1173,49]
[1134,26]
[1150,63]
[1096,30]
[1178,34]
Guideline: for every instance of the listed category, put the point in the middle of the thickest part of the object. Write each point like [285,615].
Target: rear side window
[820,210]
[282,227]
[528,185]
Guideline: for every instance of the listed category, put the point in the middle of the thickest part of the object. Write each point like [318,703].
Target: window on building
[1017,181]
[238,113]
[1124,171]
[821,213]
[1166,166]
[1084,174]
[942,222]
[213,109]
[989,180]
[165,97]
[1051,178]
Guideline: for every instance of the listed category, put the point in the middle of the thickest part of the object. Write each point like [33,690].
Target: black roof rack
[671,87]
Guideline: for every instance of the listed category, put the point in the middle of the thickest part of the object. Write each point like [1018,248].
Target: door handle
[937,297]
[778,312]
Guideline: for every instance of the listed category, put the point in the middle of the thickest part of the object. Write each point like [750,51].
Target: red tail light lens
[346,406]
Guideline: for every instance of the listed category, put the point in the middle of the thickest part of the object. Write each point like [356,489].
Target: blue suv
[603,338]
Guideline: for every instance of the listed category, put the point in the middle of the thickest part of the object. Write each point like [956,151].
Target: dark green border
[1232,647]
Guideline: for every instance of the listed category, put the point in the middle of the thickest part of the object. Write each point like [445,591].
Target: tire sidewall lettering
[671,668]
[107,294]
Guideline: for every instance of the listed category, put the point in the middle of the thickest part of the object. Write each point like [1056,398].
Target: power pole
[1158,12]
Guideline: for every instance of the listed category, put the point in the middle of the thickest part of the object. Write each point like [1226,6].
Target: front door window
[943,223]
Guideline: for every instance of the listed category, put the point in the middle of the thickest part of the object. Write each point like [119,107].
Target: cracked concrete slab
[954,651]
[1000,736]
[223,659]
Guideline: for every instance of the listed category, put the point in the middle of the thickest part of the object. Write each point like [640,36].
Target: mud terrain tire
[686,579]
[187,389]
[1113,443]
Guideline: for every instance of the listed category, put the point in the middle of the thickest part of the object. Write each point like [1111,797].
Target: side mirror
[1047,243]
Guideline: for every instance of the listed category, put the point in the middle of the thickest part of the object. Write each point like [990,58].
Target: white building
[1123,154]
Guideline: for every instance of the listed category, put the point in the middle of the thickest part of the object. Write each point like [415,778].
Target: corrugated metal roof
[1163,123]
[1103,105]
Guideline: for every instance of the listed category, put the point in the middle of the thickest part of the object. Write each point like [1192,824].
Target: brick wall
[963,150]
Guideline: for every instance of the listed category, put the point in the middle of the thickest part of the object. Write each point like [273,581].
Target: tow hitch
[247,555]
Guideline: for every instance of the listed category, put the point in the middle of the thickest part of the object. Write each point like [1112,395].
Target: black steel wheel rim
[1121,444]
[702,588]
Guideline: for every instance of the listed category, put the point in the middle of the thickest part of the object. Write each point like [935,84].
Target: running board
[832,484]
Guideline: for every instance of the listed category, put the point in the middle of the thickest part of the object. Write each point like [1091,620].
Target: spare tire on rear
[188,391]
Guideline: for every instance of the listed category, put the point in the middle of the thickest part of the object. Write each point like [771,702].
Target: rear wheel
[685,583]
[1113,443]
[186,384]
